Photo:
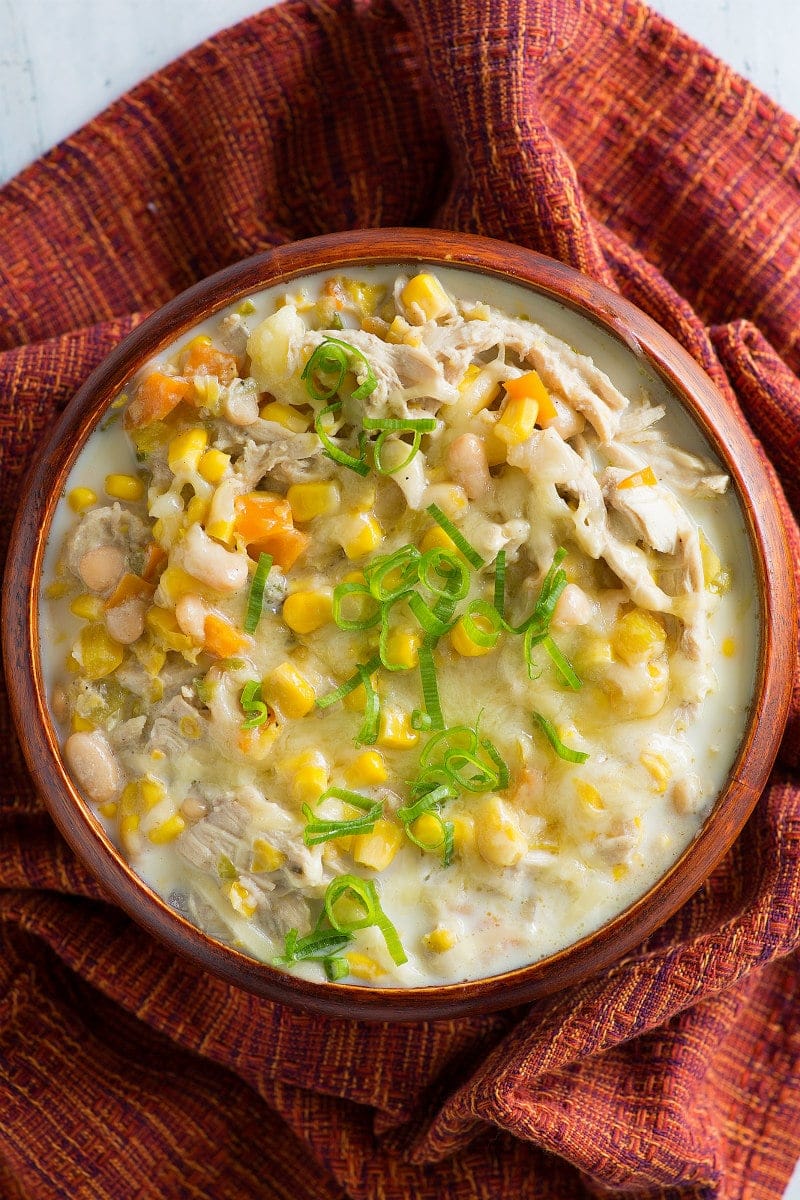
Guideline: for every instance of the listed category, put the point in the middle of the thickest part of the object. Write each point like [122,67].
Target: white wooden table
[62,61]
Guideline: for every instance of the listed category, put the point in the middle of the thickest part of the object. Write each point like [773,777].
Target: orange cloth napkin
[596,133]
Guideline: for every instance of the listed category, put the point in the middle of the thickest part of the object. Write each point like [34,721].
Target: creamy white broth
[498,917]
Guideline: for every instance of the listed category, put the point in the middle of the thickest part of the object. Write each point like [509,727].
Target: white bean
[94,765]
[573,607]
[101,567]
[467,464]
[58,703]
[204,559]
[190,613]
[240,405]
[125,622]
[687,794]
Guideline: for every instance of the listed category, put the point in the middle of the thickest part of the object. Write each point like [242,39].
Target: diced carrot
[531,385]
[154,556]
[129,586]
[265,524]
[155,398]
[221,639]
[201,358]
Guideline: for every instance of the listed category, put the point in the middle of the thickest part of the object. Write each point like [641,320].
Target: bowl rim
[697,395]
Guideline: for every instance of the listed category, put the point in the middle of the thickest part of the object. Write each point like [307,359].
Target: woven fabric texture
[594,132]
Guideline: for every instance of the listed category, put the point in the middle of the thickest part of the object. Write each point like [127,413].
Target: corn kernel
[124,487]
[398,331]
[364,967]
[396,732]
[425,294]
[658,767]
[80,724]
[88,607]
[99,653]
[265,858]
[151,791]
[589,795]
[58,589]
[285,415]
[196,510]
[309,500]
[356,701]
[479,389]
[402,646]
[517,420]
[620,871]
[293,694]
[495,449]
[362,534]
[463,833]
[162,623]
[638,635]
[594,656]
[81,498]
[310,776]
[644,478]
[185,451]
[306,611]
[498,837]
[168,830]
[728,647]
[377,849]
[221,531]
[439,940]
[428,830]
[241,900]
[213,465]
[108,808]
[435,538]
[366,770]
[463,644]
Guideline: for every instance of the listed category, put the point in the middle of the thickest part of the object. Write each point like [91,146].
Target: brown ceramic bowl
[698,395]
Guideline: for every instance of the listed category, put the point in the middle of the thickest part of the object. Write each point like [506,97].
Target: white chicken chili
[392,637]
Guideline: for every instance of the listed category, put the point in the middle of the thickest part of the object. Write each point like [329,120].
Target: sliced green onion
[332,450]
[333,357]
[405,560]
[255,601]
[475,632]
[252,702]
[457,761]
[320,944]
[500,582]
[336,968]
[336,322]
[431,799]
[421,721]
[503,773]
[340,594]
[368,733]
[401,424]
[430,687]
[226,870]
[552,586]
[328,359]
[204,690]
[547,727]
[562,664]
[322,829]
[448,736]
[450,568]
[364,894]
[456,536]
[377,453]
[350,685]
[433,625]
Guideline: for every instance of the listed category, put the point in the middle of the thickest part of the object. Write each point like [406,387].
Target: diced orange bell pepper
[154,556]
[531,385]
[265,524]
[201,358]
[128,587]
[155,398]
[221,639]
